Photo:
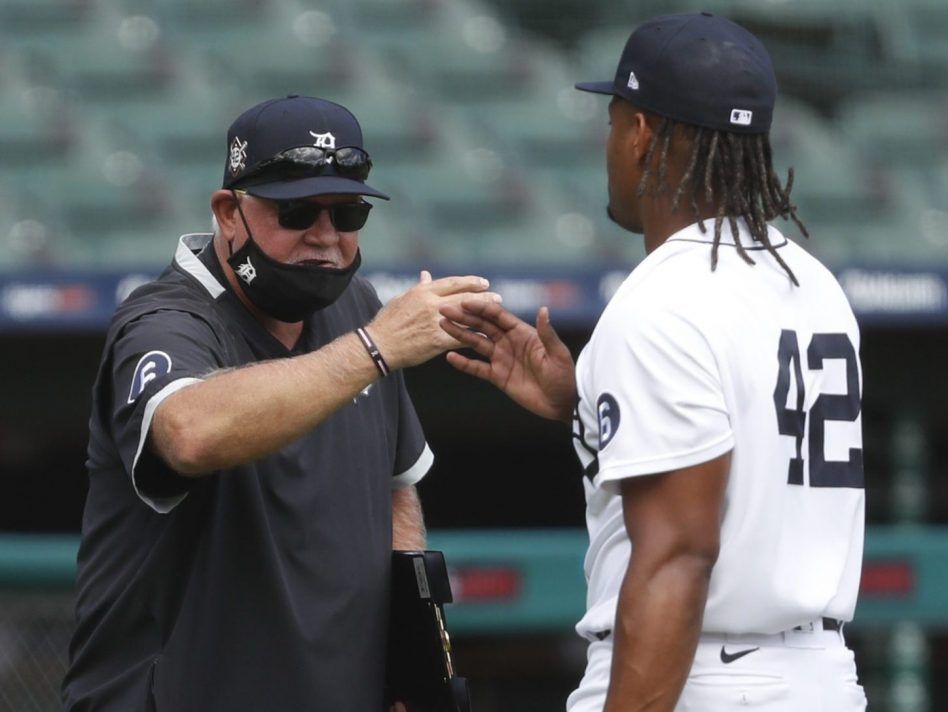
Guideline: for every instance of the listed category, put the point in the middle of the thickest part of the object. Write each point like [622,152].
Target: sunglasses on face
[301,214]
[306,161]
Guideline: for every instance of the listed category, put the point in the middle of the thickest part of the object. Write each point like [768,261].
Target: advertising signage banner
[74,301]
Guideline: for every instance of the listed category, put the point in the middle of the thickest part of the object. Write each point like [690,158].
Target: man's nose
[322,231]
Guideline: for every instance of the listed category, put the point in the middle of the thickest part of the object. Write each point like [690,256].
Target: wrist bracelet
[373,351]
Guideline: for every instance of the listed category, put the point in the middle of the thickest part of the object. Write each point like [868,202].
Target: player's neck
[659,222]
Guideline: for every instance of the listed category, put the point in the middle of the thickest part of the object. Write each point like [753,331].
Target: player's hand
[407,330]
[398,707]
[531,365]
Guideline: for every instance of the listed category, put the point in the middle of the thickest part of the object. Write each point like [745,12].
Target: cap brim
[310,187]
[597,87]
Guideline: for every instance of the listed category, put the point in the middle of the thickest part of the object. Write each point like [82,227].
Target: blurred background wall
[113,116]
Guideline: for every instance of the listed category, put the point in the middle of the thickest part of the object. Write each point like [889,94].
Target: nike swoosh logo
[727,657]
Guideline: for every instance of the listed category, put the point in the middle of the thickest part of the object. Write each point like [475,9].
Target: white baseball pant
[807,669]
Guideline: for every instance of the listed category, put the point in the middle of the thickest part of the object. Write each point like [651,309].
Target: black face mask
[287,292]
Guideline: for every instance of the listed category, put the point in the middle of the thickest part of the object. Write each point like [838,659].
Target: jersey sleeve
[659,398]
[413,457]
[154,357]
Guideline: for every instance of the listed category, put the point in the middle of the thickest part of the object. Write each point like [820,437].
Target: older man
[253,448]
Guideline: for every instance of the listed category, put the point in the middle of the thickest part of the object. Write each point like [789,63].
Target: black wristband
[373,351]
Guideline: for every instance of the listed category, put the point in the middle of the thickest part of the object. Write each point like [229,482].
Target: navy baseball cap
[699,69]
[258,137]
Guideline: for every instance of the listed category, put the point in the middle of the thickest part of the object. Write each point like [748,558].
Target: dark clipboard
[420,668]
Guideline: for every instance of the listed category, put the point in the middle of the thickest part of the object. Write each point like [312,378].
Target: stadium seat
[546,236]
[258,61]
[96,195]
[461,54]
[121,58]
[178,127]
[34,127]
[34,17]
[547,131]
[916,31]
[207,20]
[830,181]
[33,234]
[395,237]
[597,52]
[471,188]
[940,185]
[385,15]
[473,125]
[820,50]
[897,128]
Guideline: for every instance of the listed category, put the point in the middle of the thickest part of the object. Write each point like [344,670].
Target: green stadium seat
[266,62]
[397,132]
[897,128]
[916,31]
[821,50]
[471,188]
[488,152]
[124,57]
[139,247]
[98,195]
[939,185]
[545,236]
[178,127]
[598,50]
[32,235]
[556,130]
[34,127]
[19,17]
[457,53]
[831,182]
[189,190]
[208,20]
[385,15]
[395,237]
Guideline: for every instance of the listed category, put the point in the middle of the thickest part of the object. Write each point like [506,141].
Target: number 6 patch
[608,410]
[150,366]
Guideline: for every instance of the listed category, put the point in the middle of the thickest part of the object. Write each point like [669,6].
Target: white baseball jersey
[687,364]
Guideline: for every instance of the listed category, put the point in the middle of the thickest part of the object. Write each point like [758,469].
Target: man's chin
[623,222]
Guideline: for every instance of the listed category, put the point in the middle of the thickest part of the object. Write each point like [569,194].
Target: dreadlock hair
[736,170]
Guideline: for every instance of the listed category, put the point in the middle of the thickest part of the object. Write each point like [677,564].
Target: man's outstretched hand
[531,365]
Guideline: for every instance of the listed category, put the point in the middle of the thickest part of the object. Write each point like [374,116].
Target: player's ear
[632,127]
[642,131]
[224,207]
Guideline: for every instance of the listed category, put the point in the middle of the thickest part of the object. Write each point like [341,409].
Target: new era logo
[633,81]
[742,117]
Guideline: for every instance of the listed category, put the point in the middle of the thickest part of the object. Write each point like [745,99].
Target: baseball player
[716,407]
[253,448]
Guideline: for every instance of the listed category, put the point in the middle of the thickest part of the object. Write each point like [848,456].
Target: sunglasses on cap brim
[309,161]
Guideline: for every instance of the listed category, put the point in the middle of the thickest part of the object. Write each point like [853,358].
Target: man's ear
[224,207]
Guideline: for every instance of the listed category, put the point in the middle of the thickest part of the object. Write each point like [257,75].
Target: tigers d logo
[323,140]
[247,271]
[608,411]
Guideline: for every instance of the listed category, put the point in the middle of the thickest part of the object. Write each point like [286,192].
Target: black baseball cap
[268,129]
[699,69]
